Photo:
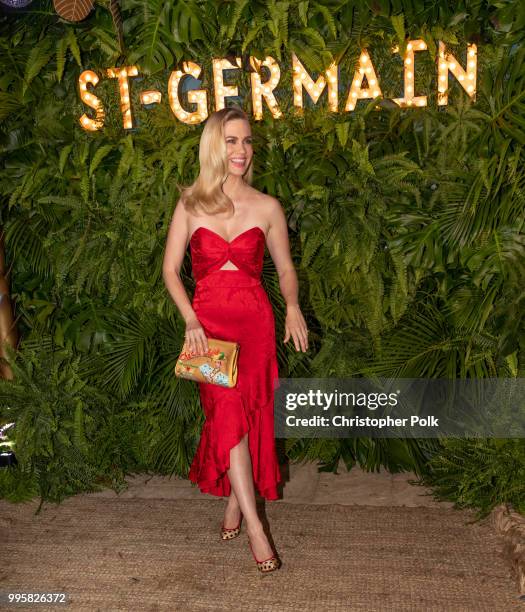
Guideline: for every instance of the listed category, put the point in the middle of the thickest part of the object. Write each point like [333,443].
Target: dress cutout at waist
[210,251]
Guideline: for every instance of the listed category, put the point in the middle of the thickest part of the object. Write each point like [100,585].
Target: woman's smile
[238,162]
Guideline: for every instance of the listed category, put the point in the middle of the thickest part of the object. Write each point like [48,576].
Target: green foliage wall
[406,225]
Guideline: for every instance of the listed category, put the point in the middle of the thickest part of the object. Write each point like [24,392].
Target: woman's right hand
[195,337]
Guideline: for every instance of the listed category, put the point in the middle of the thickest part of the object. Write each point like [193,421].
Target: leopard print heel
[229,534]
[267,566]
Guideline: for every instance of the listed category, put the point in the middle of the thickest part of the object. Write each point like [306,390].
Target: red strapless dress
[233,305]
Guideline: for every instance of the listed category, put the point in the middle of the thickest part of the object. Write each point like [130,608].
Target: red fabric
[233,305]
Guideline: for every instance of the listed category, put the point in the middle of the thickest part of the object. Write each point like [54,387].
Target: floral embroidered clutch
[217,366]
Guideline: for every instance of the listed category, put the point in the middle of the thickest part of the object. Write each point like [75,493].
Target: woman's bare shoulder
[187,212]
[265,201]
[265,208]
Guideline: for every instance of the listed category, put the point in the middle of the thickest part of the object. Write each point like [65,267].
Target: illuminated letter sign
[301,79]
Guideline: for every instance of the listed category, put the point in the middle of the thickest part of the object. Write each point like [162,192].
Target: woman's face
[238,136]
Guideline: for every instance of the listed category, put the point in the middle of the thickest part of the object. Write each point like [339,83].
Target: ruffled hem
[210,464]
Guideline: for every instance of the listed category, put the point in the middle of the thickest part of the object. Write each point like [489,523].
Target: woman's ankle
[255,528]
[232,508]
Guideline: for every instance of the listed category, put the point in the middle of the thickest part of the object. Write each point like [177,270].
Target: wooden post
[8,329]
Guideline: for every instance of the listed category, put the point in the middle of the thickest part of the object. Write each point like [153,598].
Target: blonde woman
[227,224]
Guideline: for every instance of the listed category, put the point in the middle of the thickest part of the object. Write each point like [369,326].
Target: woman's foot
[232,516]
[259,543]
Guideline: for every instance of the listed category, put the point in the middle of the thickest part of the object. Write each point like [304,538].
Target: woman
[227,224]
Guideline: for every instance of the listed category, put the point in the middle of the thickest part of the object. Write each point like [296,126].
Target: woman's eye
[247,141]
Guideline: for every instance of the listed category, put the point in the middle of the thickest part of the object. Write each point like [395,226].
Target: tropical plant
[479,473]
[406,224]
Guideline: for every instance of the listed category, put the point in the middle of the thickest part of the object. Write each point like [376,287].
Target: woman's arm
[279,248]
[176,245]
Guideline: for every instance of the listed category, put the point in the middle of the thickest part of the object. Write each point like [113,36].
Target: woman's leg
[232,513]
[241,479]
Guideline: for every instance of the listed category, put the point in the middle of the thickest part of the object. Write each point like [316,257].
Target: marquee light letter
[409,63]
[122,75]
[88,76]
[301,79]
[466,79]
[221,90]
[264,89]
[195,96]
[150,97]
[366,68]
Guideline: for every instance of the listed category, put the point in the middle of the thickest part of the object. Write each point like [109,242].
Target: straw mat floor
[154,554]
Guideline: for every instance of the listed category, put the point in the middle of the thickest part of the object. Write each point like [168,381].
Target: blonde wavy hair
[206,192]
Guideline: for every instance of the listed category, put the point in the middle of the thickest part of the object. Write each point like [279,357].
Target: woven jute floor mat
[154,554]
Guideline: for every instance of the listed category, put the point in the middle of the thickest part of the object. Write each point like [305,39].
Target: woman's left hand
[295,326]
